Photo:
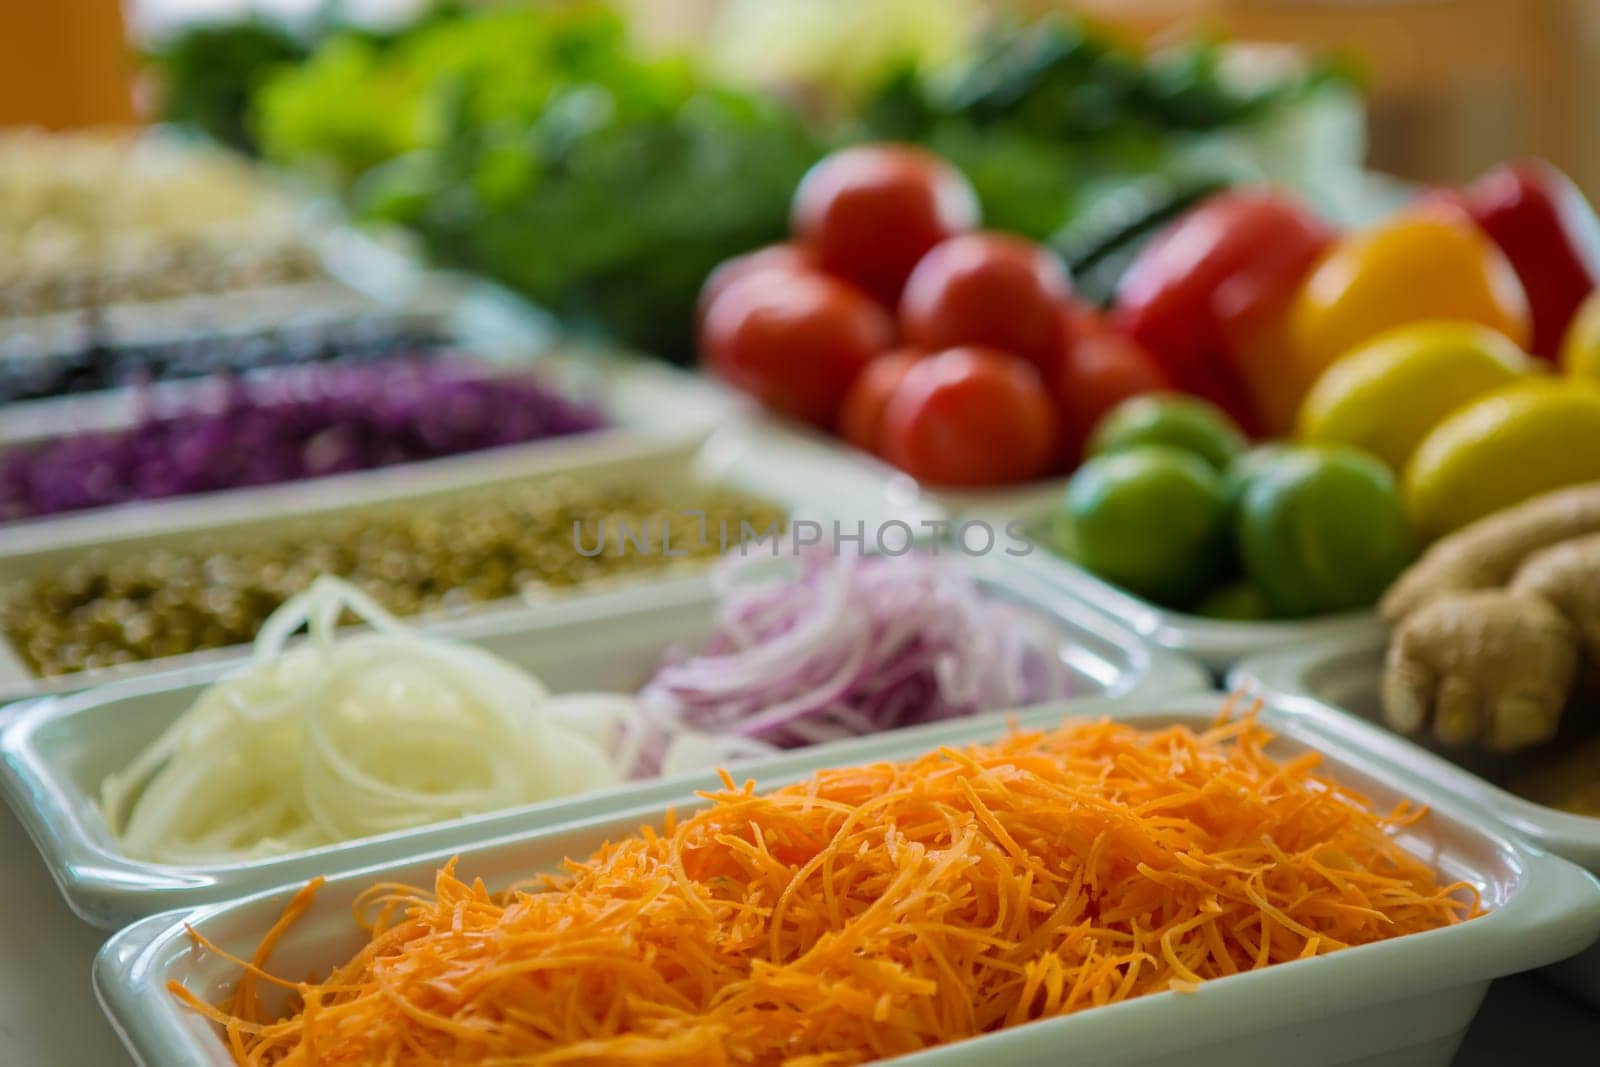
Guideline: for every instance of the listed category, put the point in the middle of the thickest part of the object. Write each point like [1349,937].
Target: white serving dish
[764,447]
[247,515]
[644,404]
[779,448]
[1341,678]
[1216,643]
[314,302]
[55,752]
[1402,1003]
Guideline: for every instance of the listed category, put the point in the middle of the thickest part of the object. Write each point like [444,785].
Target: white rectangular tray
[778,448]
[1218,644]
[1401,1003]
[644,404]
[1341,678]
[246,516]
[55,752]
[764,447]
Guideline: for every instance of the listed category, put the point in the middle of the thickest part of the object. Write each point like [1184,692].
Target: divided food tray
[1340,679]
[1401,1003]
[55,752]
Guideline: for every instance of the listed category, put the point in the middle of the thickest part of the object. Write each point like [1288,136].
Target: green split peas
[105,609]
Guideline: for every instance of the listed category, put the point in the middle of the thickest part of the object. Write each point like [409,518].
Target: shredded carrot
[876,910]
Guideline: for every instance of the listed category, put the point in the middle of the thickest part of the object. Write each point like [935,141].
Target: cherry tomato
[794,341]
[991,290]
[1099,368]
[861,417]
[872,211]
[970,417]
[784,257]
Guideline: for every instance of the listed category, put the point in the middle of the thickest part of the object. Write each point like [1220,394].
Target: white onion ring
[341,738]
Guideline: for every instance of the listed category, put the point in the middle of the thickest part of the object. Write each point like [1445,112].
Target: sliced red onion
[817,647]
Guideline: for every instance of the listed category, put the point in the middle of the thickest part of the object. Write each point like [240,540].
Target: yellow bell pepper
[1580,351]
[1431,262]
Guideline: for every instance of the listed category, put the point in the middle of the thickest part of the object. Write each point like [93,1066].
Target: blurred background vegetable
[306,423]
[835,53]
[1173,508]
[1051,116]
[510,140]
[212,70]
[506,136]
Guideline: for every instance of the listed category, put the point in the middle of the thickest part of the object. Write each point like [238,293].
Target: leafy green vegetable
[211,72]
[543,149]
[1048,115]
[1100,244]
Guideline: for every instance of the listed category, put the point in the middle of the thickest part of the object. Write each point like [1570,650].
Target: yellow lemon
[1502,448]
[1580,349]
[1384,396]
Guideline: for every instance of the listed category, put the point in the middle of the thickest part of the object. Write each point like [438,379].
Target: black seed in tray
[102,365]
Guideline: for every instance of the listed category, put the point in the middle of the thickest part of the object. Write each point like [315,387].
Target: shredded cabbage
[343,738]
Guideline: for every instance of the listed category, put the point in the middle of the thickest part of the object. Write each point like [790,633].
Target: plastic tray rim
[1284,675]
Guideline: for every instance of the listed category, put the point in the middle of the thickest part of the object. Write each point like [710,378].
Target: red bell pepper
[1238,255]
[1549,233]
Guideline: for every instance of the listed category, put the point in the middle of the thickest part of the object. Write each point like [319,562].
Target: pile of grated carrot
[870,911]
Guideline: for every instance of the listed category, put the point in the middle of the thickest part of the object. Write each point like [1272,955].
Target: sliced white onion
[338,739]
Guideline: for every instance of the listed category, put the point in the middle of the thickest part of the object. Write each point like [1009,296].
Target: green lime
[1236,479]
[1172,419]
[1322,529]
[1238,475]
[1240,601]
[1151,519]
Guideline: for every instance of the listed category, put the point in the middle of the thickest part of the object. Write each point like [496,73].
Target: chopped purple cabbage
[305,424]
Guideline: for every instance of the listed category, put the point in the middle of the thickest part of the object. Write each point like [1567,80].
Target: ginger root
[1488,667]
[1492,626]
[1485,554]
[1567,575]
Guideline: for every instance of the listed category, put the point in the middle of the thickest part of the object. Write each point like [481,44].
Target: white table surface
[48,1013]
[49,1016]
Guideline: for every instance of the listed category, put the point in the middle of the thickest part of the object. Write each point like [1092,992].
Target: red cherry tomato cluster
[961,356]
[955,354]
